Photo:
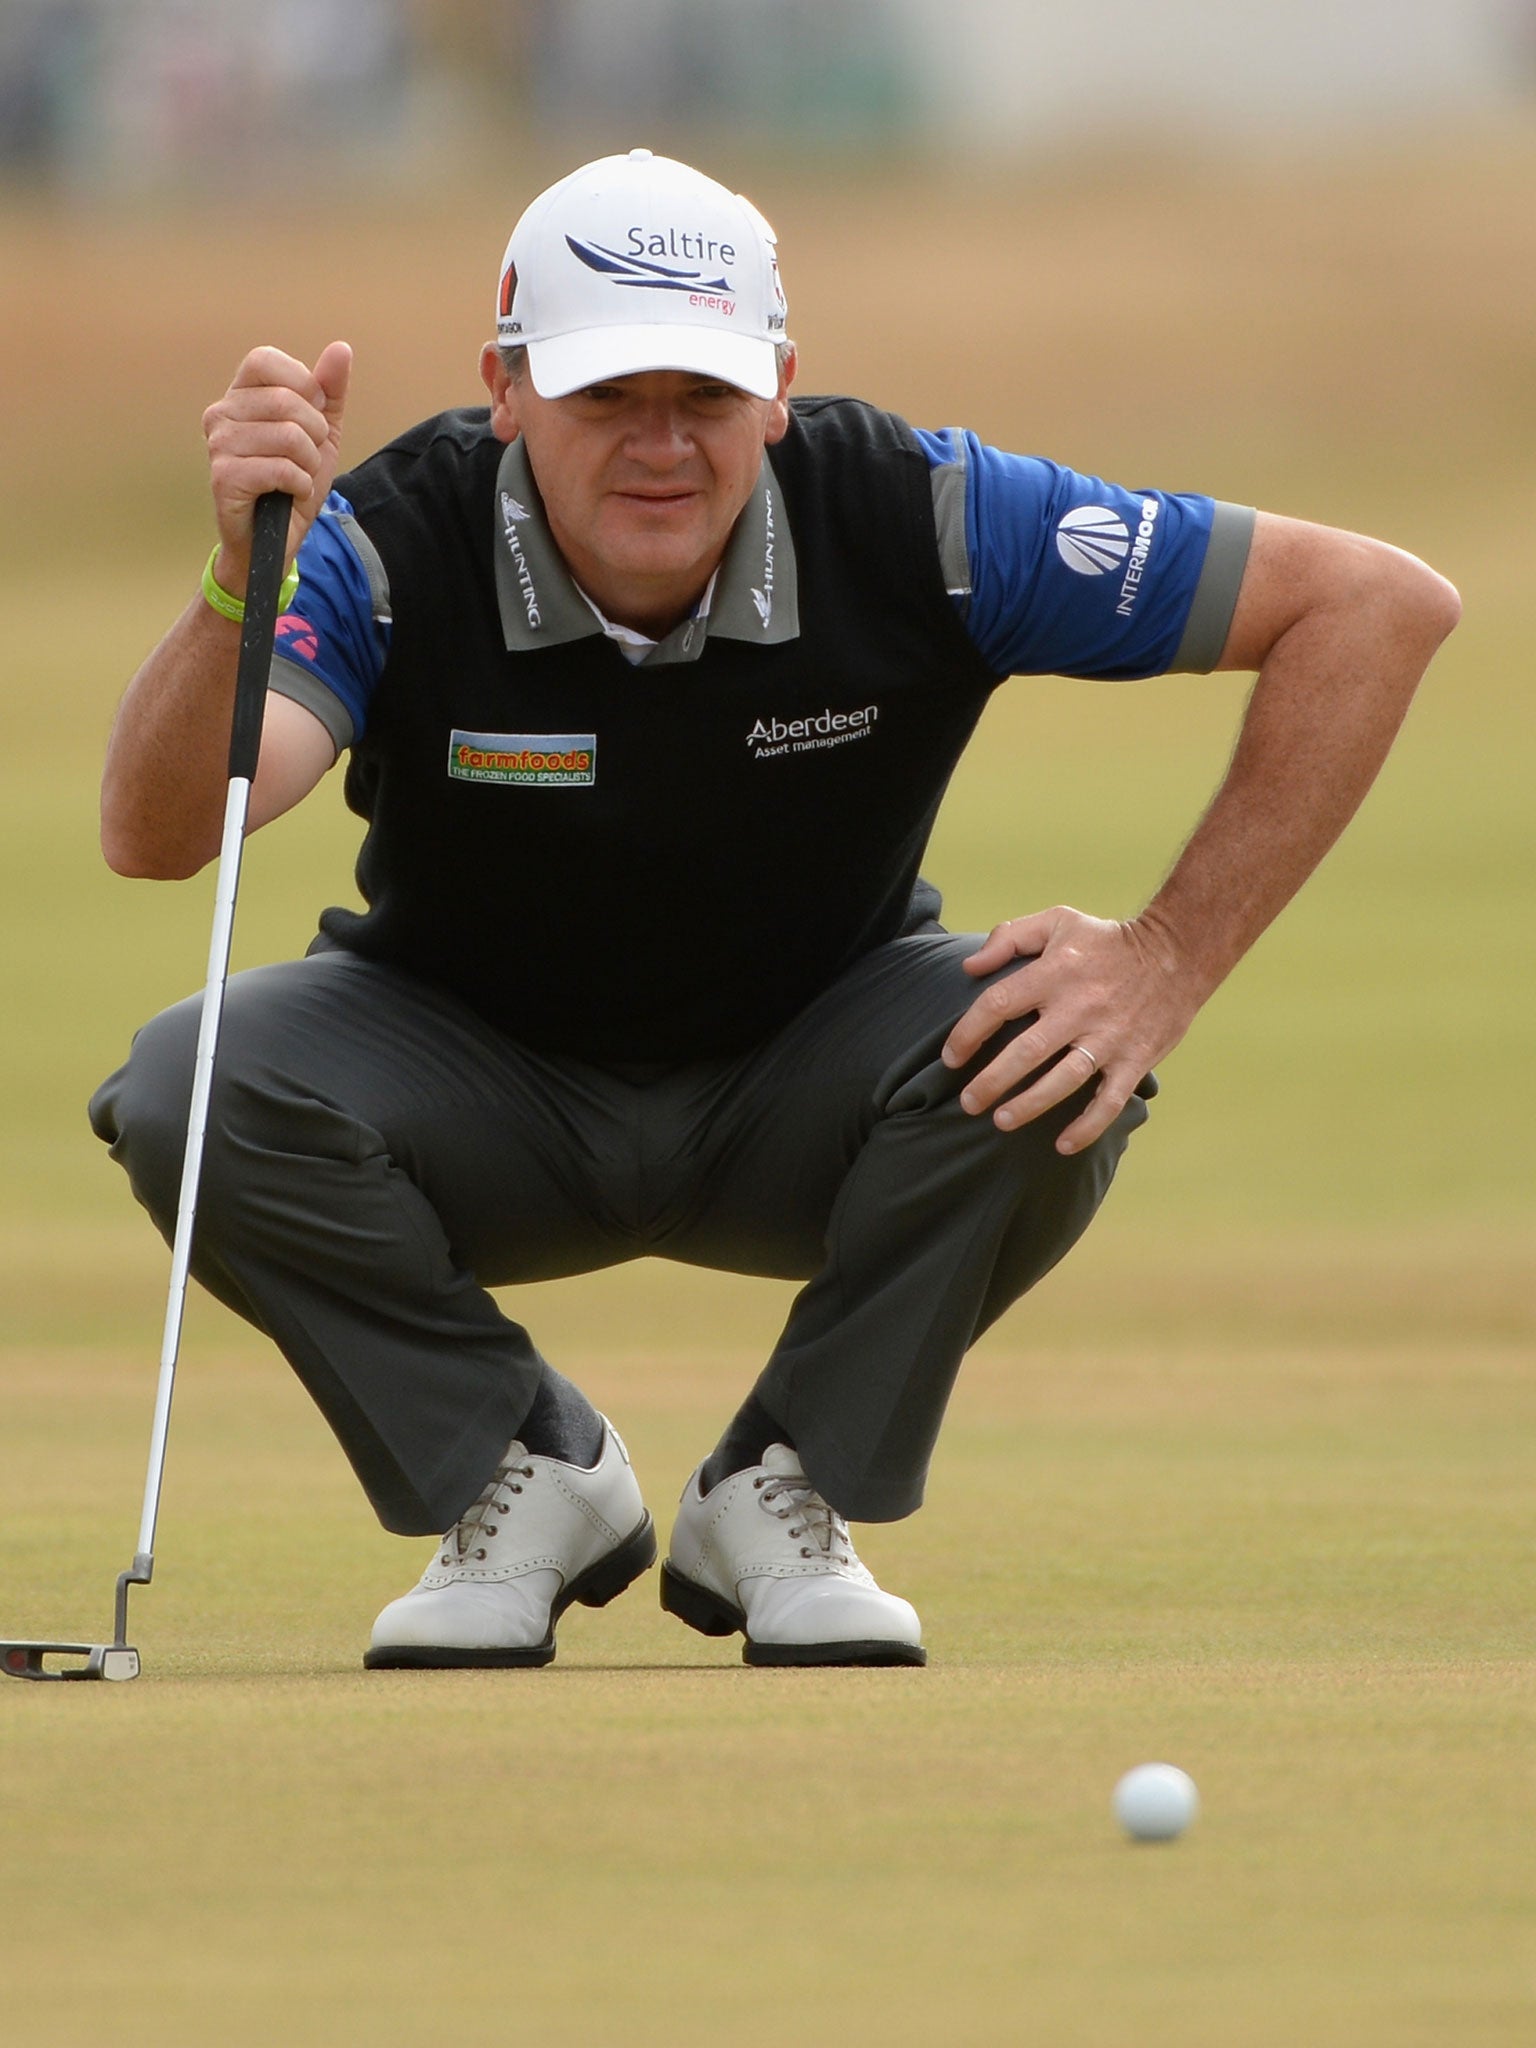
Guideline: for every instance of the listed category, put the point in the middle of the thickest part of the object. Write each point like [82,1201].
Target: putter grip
[269,537]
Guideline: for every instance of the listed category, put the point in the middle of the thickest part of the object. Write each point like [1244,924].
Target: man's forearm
[1330,697]
[277,428]
[163,787]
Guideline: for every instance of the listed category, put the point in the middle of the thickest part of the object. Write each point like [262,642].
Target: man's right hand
[277,428]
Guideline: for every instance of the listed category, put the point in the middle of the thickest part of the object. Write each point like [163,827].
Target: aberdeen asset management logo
[1093,540]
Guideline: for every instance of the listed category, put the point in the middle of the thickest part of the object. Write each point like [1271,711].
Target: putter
[119,1659]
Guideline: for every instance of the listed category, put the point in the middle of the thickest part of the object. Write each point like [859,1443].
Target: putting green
[1244,1486]
[1300,1571]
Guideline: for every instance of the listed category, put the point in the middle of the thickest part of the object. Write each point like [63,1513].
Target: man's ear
[778,407]
[506,416]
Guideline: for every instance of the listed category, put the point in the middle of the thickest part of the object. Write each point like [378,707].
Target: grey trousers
[378,1156]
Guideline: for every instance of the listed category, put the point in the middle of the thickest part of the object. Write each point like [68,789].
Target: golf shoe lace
[794,1500]
[479,1524]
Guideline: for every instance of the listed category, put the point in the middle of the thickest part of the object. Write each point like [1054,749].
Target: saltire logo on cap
[634,270]
[1093,540]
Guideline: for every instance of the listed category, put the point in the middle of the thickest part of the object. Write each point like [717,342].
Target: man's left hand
[1110,999]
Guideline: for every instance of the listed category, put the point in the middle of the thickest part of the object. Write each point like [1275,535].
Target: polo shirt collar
[754,597]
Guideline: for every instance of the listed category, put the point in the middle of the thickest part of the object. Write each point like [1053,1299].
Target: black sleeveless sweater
[667,862]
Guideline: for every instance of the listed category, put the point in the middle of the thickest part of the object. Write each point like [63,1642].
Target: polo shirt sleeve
[332,642]
[1065,574]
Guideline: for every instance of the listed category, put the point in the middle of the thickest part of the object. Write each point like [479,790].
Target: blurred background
[157,95]
[1282,253]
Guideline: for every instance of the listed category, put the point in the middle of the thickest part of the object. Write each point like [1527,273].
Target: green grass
[1306,1578]
[1245,1484]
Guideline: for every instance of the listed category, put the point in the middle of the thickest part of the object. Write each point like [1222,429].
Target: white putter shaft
[118,1659]
[236,808]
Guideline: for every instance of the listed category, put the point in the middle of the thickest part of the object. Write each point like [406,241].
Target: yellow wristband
[234,607]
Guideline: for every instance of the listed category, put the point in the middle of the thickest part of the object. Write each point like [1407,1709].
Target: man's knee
[922,1113]
[141,1111]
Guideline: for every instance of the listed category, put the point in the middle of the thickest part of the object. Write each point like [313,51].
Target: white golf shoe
[763,1552]
[541,1535]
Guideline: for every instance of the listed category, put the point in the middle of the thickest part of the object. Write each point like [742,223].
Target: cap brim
[569,362]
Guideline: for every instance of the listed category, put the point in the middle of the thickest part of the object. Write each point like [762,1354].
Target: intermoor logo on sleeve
[532,760]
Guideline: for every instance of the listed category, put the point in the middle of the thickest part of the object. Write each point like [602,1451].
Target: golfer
[650,679]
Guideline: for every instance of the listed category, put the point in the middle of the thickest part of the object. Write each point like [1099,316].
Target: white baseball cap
[639,263]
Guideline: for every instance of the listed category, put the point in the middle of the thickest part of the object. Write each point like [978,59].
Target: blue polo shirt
[1051,571]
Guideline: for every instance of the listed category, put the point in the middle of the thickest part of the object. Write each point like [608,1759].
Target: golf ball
[1155,1802]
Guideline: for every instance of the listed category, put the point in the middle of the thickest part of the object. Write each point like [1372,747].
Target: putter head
[102,1660]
